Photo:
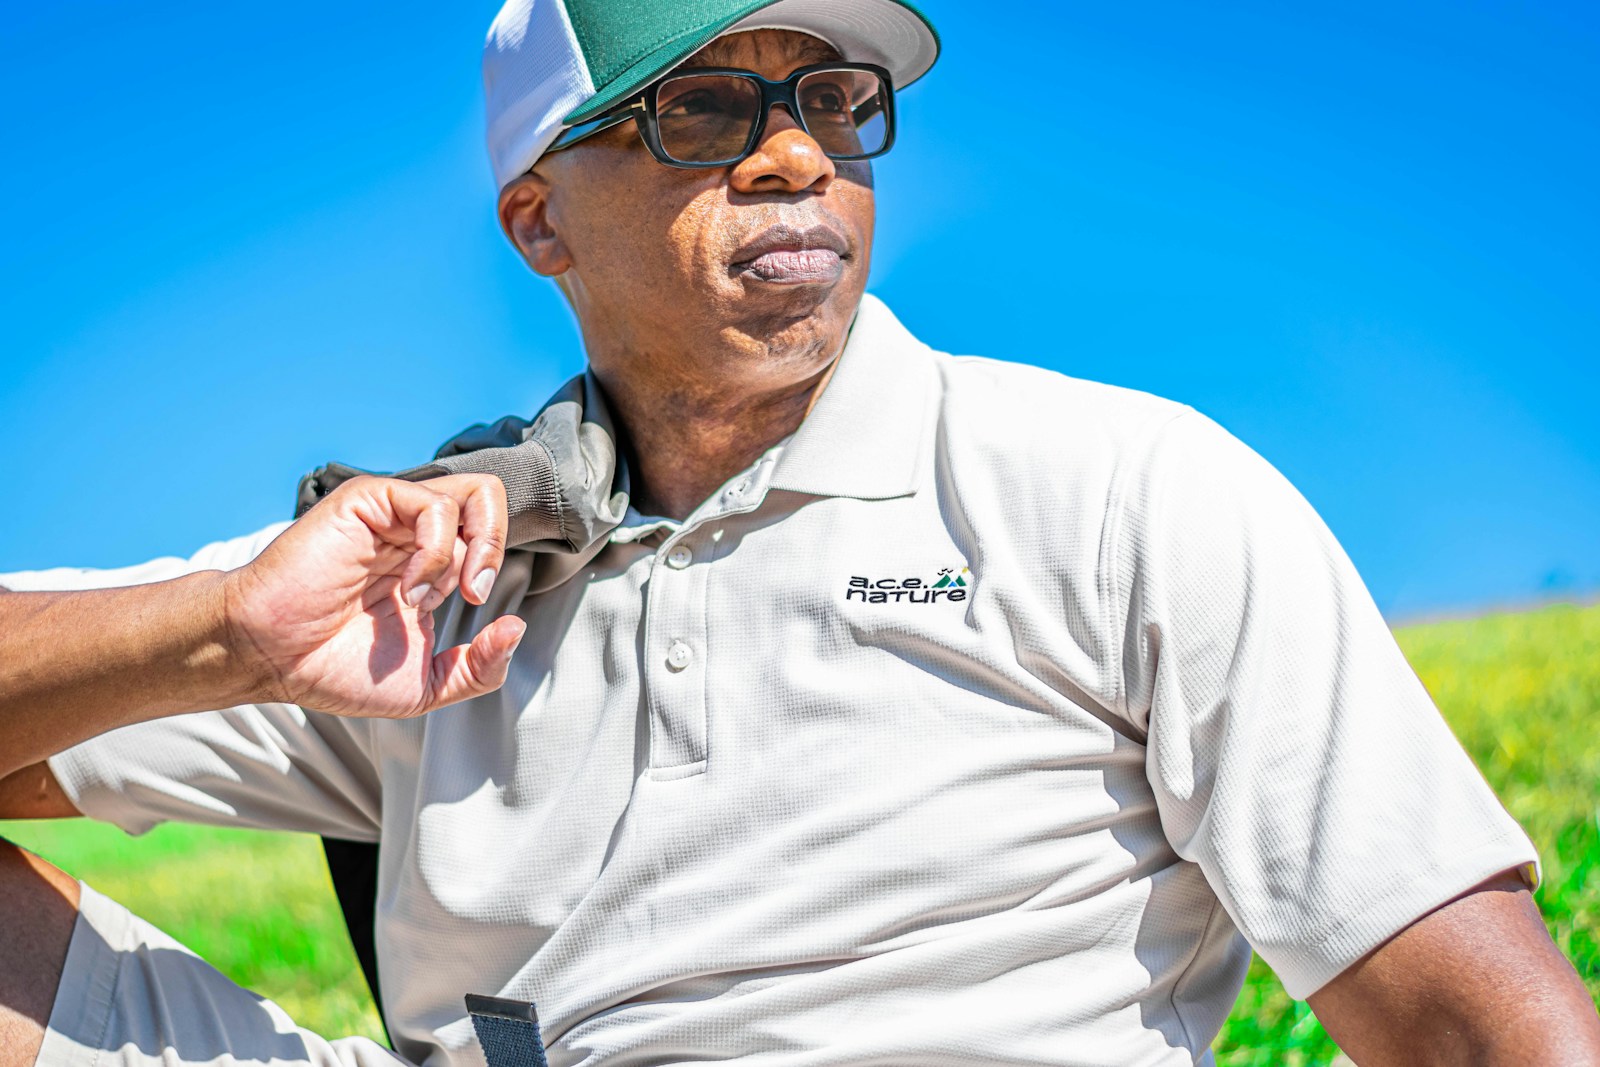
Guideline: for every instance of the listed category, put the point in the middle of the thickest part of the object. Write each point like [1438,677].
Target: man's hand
[336,614]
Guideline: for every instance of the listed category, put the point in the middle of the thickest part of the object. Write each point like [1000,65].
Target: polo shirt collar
[864,438]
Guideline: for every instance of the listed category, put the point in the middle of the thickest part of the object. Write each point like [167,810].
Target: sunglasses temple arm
[574,134]
[868,109]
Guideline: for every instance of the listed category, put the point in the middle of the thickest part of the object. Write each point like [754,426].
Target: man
[919,710]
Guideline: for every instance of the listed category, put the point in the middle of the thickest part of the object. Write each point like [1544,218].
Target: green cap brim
[680,47]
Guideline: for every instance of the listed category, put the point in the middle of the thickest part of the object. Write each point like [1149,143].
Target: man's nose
[787,160]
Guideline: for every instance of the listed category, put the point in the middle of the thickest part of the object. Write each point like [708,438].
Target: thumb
[468,671]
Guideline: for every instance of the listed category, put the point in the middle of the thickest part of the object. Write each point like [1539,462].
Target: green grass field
[1521,690]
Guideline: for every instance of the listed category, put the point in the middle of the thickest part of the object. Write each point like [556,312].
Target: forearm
[334,614]
[76,664]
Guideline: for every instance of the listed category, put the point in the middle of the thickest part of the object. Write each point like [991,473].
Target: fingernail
[515,641]
[418,594]
[483,583]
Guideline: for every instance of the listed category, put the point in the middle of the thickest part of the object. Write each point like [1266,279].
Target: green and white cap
[552,64]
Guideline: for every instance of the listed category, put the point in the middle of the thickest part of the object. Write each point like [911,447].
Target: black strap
[508,1030]
[353,866]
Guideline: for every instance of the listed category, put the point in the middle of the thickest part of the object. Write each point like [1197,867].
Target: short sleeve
[1294,755]
[266,766]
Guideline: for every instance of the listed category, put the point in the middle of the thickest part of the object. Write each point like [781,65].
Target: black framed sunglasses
[715,116]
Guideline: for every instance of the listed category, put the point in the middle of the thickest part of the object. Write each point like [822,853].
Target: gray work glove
[564,486]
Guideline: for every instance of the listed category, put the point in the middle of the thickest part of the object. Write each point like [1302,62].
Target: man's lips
[790,255]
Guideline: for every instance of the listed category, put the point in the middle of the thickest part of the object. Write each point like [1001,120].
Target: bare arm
[1477,982]
[75,664]
[34,793]
[336,614]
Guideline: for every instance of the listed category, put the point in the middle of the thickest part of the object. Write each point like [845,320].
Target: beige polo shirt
[983,722]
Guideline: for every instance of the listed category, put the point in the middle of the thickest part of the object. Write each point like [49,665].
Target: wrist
[231,656]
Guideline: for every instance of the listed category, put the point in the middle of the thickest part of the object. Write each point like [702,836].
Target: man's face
[767,258]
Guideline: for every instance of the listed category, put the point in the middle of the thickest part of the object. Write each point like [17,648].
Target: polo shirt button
[680,557]
[679,655]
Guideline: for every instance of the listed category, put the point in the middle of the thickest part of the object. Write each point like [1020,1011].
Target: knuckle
[489,487]
[352,486]
[444,509]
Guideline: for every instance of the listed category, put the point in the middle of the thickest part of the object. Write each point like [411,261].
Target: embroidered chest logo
[948,584]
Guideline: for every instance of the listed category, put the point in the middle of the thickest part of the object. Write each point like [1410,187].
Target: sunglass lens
[706,118]
[844,111]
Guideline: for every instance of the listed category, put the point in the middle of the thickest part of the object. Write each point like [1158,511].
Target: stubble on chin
[801,334]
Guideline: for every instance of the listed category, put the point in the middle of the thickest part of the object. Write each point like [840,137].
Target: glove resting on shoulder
[565,487]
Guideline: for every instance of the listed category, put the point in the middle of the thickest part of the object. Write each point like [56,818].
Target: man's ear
[525,218]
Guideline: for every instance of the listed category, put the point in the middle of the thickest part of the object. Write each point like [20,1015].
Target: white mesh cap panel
[864,32]
[533,74]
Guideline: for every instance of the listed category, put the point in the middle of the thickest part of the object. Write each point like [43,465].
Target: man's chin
[767,310]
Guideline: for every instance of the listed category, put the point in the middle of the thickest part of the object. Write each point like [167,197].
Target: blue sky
[240,241]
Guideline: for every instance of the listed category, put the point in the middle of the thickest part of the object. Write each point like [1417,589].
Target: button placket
[675,651]
[675,627]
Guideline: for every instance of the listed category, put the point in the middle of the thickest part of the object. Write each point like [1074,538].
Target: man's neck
[685,438]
